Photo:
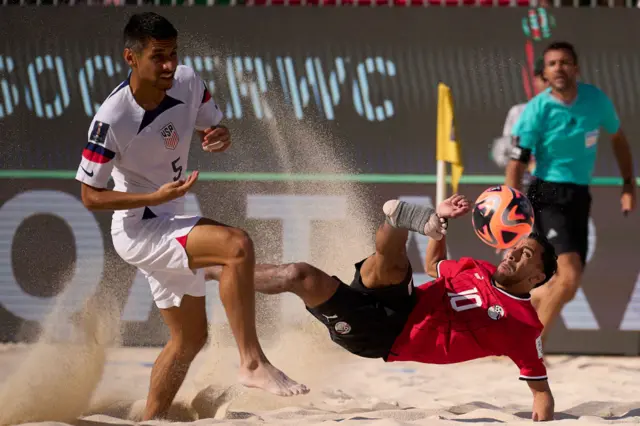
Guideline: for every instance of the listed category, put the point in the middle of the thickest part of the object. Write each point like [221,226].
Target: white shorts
[156,246]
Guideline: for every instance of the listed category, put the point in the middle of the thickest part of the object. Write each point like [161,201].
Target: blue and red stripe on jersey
[97,154]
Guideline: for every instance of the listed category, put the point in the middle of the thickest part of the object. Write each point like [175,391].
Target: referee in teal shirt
[560,128]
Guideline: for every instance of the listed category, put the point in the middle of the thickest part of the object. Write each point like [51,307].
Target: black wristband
[628,181]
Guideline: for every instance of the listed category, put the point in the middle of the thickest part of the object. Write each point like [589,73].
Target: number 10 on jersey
[465,300]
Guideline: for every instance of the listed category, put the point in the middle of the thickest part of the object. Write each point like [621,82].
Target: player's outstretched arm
[543,402]
[436,252]
[451,208]
[106,199]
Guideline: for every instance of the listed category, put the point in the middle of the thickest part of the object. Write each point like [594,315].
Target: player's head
[529,264]
[561,65]
[539,82]
[150,49]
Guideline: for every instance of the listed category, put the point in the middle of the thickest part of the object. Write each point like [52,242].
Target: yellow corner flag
[448,147]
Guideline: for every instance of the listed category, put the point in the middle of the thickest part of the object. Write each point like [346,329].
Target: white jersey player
[144,149]
[140,137]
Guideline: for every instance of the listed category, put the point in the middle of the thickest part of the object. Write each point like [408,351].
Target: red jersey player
[471,310]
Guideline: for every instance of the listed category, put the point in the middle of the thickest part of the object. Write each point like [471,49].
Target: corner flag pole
[441,182]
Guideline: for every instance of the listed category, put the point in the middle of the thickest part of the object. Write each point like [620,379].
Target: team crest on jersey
[170,136]
[591,138]
[495,312]
[342,327]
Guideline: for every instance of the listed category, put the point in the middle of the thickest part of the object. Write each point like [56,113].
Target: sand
[345,390]
[79,375]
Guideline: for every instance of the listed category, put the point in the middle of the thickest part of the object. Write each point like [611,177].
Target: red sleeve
[447,268]
[526,352]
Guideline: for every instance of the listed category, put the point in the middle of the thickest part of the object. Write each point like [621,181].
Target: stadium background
[370,88]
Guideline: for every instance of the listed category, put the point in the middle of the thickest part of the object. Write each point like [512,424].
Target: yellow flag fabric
[448,147]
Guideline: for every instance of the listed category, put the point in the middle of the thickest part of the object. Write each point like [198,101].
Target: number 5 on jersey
[465,300]
[177,169]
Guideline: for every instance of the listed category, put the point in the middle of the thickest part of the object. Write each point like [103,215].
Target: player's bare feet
[270,379]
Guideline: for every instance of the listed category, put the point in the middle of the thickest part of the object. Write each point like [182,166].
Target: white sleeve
[512,117]
[208,113]
[98,155]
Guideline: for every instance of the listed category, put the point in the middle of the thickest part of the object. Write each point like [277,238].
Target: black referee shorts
[562,214]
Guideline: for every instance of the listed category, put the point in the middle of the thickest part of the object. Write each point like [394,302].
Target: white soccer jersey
[143,150]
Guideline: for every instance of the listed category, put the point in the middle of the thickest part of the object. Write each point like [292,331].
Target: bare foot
[269,378]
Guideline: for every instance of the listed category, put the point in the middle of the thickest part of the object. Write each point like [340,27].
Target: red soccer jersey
[462,316]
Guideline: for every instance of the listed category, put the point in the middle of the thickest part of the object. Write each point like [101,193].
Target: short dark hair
[145,26]
[562,45]
[549,257]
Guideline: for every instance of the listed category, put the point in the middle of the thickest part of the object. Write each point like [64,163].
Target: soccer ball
[502,216]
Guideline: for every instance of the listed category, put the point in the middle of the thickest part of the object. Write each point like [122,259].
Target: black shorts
[366,321]
[562,215]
